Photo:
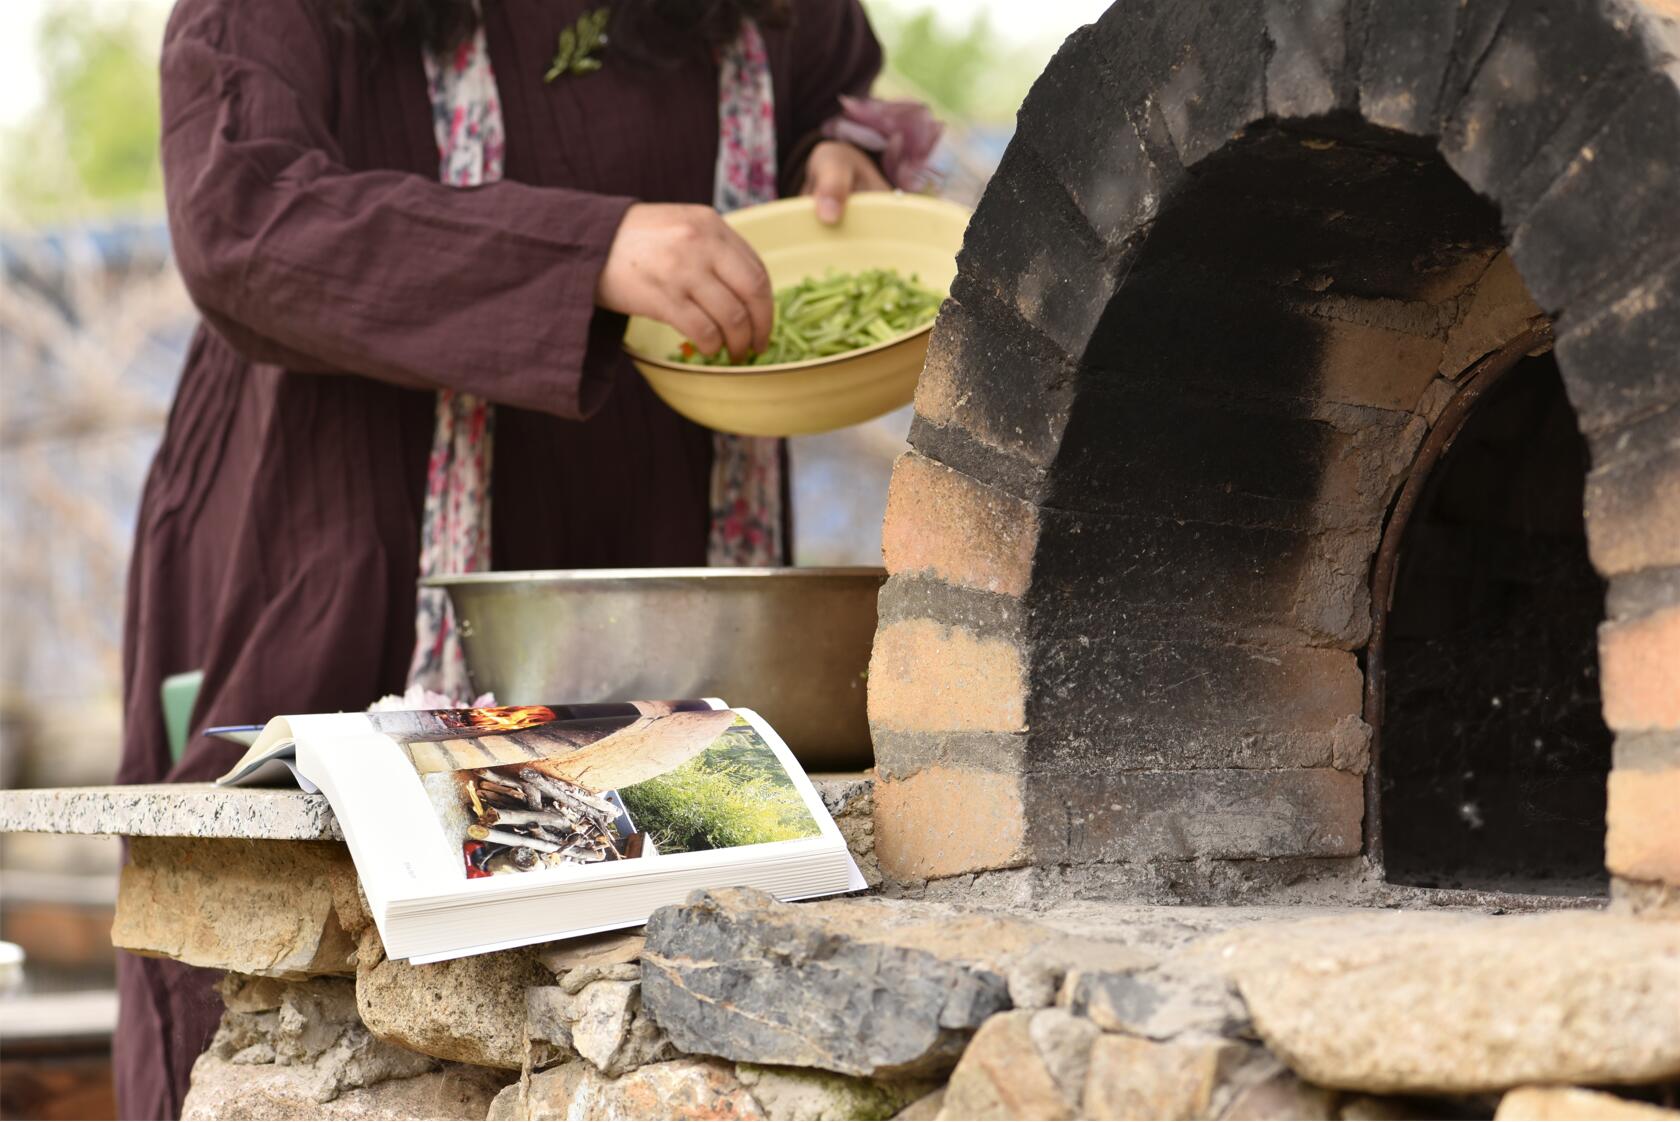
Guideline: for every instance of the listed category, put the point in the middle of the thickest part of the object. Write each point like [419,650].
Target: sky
[1025,21]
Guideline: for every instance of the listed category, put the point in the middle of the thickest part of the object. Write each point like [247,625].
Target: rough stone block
[1011,1071]
[1642,818]
[927,678]
[1131,1078]
[680,1089]
[599,1017]
[467,1009]
[1103,701]
[941,523]
[1639,667]
[850,801]
[222,1089]
[794,1093]
[1281,1094]
[1142,815]
[942,821]
[870,988]
[1623,361]
[311,1028]
[1410,1003]
[284,909]
[610,948]
[1157,1002]
[1558,1104]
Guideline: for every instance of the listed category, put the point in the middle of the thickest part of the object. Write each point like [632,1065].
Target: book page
[516,791]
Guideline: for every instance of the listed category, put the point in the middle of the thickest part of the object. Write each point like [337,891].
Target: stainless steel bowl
[790,643]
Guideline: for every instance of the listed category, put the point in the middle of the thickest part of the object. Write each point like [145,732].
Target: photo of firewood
[530,788]
[526,817]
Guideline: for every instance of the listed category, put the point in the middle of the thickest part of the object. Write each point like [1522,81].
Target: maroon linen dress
[340,284]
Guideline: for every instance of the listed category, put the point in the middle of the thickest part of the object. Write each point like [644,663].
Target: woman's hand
[682,265]
[834,171]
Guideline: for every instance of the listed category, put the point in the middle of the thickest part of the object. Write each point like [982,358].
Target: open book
[479,829]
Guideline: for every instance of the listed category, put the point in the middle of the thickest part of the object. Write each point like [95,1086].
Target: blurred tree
[967,74]
[93,141]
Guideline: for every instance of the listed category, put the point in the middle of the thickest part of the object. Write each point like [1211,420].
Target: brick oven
[1294,501]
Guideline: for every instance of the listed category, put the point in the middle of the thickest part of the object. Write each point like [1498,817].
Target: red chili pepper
[689,350]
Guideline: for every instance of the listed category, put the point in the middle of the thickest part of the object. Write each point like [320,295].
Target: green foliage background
[91,145]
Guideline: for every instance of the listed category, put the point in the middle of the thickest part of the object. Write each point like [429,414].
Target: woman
[414,231]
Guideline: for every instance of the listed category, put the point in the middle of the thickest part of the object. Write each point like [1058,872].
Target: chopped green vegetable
[840,312]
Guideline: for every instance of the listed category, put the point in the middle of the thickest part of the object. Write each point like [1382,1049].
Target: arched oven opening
[1490,751]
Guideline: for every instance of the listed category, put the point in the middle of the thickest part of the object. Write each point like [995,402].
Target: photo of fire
[534,787]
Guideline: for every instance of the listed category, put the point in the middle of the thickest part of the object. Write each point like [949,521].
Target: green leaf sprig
[578,44]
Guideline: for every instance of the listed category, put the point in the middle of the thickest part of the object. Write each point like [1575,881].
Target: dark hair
[649,32]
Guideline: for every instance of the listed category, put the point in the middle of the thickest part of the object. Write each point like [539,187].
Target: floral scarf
[747,523]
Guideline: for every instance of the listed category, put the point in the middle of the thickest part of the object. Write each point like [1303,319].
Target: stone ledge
[203,810]
[171,810]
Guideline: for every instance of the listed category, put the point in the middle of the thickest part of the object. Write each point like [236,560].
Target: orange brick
[943,822]
[941,522]
[1643,820]
[924,677]
[1640,666]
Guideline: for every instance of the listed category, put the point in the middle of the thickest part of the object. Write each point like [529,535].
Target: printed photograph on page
[525,788]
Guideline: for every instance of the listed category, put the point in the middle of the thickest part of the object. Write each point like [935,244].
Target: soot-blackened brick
[1107,700]
[1624,360]
[1076,818]
[1031,249]
[1176,577]
[1408,44]
[1615,211]
[1146,446]
[1306,73]
[1079,125]
[1546,56]
[1633,495]
[1206,68]
[990,373]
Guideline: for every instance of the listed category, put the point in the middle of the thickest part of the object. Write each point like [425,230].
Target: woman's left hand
[834,171]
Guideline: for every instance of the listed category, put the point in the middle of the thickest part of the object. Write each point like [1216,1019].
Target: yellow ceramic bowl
[910,233]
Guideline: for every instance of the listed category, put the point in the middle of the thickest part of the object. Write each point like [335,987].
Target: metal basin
[790,643]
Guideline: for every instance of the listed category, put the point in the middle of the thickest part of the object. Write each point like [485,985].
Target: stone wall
[1205,316]
[737,1006]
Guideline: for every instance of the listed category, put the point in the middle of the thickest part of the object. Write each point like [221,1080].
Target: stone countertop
[203,810]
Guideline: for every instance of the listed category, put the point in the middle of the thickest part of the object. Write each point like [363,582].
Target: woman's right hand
[682,265]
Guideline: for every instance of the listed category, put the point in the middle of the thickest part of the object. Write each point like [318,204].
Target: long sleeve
[833,51]
[295,258]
